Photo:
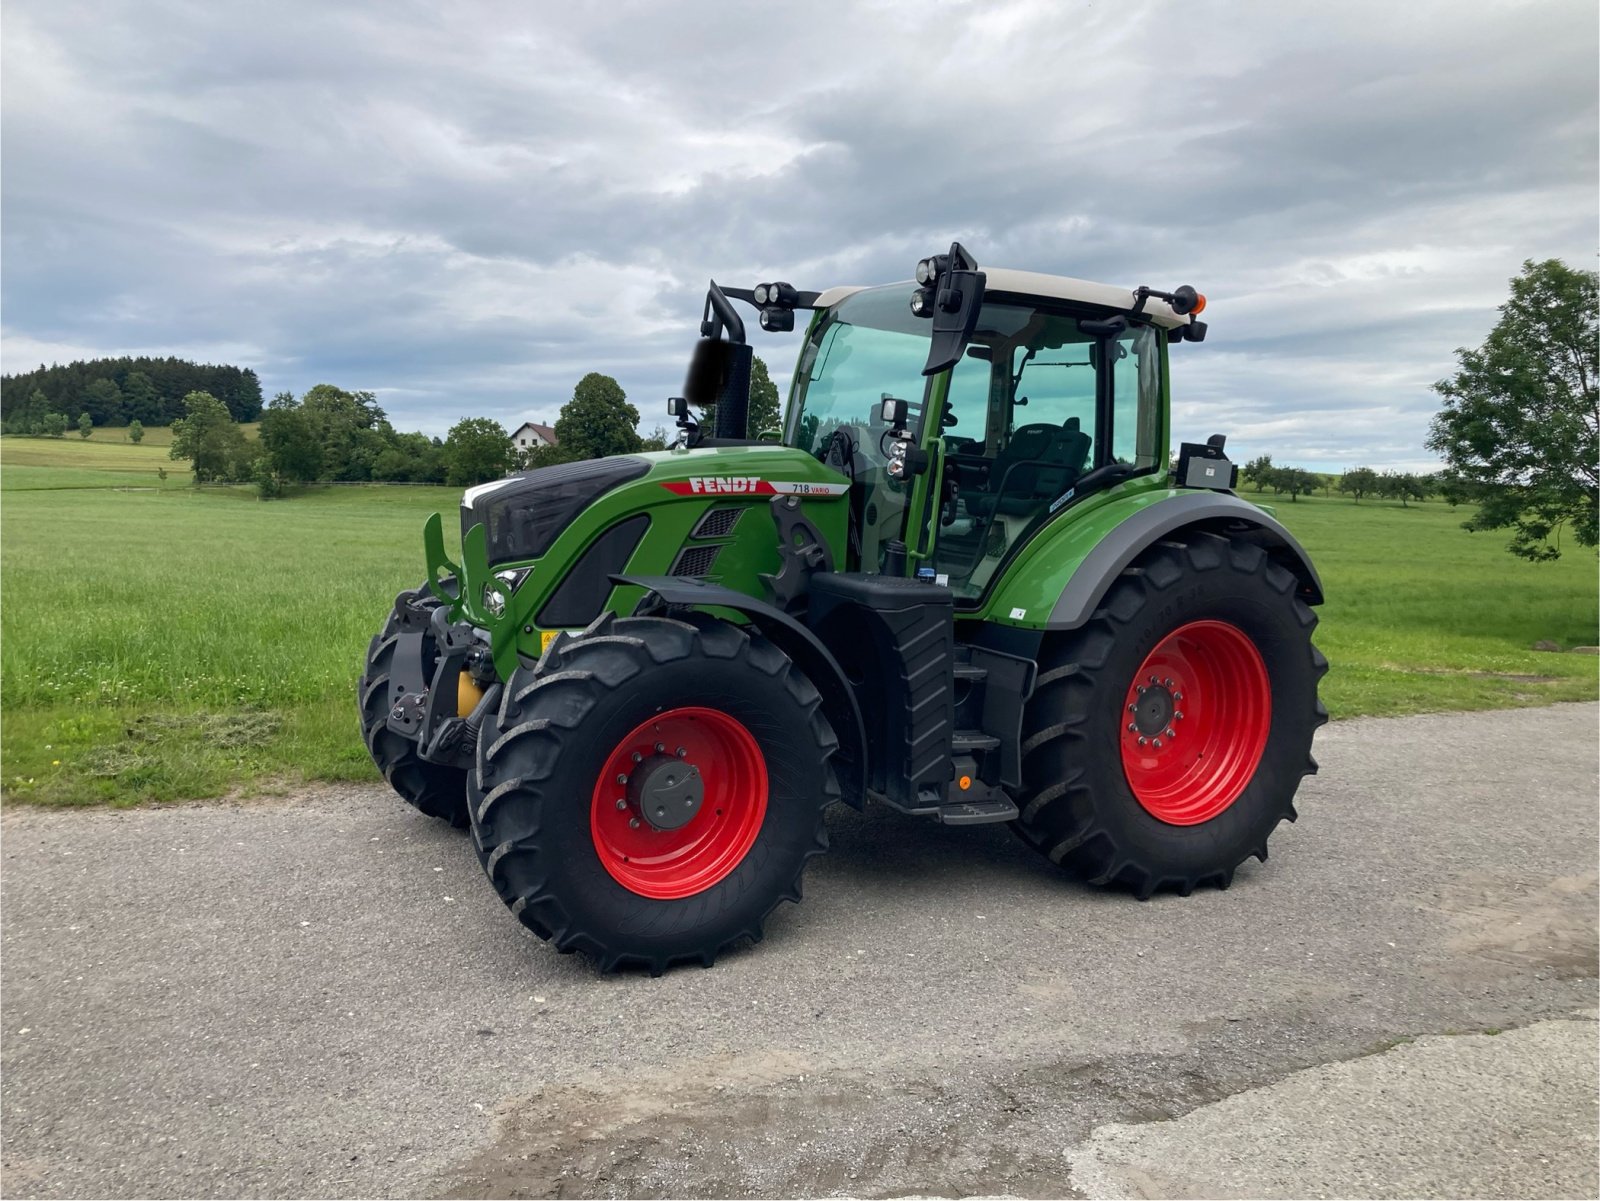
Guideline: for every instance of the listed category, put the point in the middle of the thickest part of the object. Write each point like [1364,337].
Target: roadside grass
[1423,616]
[175,643]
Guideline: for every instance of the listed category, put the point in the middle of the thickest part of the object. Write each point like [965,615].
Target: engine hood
[522,514]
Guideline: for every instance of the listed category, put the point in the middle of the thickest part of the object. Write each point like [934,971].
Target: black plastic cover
[895,640]
[587,586]
[522,517]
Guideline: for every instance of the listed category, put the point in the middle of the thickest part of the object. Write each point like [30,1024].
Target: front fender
[1063,575]
[804,649]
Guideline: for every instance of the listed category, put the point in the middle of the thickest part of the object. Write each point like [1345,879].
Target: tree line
[1358,483]
[333,435]
[118,392]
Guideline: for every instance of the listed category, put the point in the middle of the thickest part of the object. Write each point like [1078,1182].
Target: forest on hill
[119,391]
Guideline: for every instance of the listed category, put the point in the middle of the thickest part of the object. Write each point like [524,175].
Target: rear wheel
[436,790]
[652,789]
[1166,738]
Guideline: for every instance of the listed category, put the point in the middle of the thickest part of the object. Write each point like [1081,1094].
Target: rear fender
[1065,575]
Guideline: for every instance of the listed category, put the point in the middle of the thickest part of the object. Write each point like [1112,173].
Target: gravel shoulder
[320,996]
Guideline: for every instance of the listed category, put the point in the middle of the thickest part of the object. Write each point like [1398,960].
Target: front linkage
[440,711]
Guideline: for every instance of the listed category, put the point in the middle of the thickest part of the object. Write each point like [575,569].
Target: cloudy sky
[466,207]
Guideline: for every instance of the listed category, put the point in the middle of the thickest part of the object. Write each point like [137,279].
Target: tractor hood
[541,550]
[523,514]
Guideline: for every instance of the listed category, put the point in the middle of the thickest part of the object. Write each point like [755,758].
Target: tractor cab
[1048,401]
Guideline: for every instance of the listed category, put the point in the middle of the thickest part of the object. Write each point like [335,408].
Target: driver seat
[1038,463]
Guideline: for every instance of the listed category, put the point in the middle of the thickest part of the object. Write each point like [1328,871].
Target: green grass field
[170,643]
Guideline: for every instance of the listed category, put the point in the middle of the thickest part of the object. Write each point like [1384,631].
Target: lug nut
[682,754]
[1133,708]
[1133,727]
[1142,741]
[621,805]
[1177,696]
[637,757]
[1158,744]
[660,750]
[633,823]
[1178,715]
[1141,692]
[1170,734]
[1167,683]
[622,778]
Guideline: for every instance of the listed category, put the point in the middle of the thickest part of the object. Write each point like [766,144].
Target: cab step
[964,742]
[978,813]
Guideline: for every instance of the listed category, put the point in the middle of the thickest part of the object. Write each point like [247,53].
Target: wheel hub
[666,791]
[1153,710]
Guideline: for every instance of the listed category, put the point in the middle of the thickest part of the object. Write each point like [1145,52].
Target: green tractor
[964,580]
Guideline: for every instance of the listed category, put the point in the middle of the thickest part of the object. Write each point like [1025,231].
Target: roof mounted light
[931,268]
[761,294]
[922,301]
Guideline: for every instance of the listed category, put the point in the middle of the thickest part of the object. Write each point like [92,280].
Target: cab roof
[1048,287]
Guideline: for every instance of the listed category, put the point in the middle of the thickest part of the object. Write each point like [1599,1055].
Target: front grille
[695,560]
[718,523]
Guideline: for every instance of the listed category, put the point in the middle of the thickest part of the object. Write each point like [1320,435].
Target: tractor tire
[597,734]
[1165,739]
[432,788]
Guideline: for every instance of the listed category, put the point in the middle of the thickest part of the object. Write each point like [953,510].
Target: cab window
[1056,402]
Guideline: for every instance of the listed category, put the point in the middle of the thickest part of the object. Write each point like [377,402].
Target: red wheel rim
[670,863]
[1195,722]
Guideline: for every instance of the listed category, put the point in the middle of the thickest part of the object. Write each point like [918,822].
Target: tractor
[964,581]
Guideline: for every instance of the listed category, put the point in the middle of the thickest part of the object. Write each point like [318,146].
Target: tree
[349,427]
[597,421]
[1294,481]
[765,416]
[54,424]
[102,400]
[1399,485]
[289,442]
[136,431]
[1359,482]
[658,439]
[1258,471]
[140,400]
[85,425]
[1521,416]
[477,449]
[207,437]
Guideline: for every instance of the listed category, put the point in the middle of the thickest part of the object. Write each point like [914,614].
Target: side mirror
[719,375]
[951,293]
[677,407]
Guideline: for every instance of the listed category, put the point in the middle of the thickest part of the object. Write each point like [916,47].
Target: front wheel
[652,789]
[1166,738]
[432,788]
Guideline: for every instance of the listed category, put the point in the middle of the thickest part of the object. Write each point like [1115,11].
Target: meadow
[160,642]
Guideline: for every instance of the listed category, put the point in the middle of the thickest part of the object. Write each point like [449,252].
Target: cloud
[468,207]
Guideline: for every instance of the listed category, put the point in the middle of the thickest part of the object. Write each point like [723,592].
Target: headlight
[512,579]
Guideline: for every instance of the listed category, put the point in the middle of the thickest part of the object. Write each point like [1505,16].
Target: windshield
[866,348]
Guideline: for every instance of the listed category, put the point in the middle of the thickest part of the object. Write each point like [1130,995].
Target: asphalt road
[320,996]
